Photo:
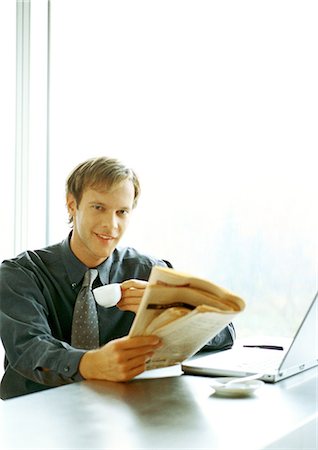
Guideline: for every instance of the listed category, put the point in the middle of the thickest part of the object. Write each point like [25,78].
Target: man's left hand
[131,294]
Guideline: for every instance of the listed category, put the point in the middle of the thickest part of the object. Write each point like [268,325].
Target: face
[99,221]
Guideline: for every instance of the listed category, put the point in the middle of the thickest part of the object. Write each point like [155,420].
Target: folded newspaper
[184,311]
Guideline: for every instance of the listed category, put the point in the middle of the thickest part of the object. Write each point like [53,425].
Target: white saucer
[240,389]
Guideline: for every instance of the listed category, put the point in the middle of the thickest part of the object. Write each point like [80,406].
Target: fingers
[134,354]
[132,307]
[133,283]
[131,369]
[109,366]
[132,289]
[129,304]
[137,342]
[119,360]
[132,292]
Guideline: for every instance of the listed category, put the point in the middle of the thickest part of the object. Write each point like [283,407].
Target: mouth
[105,237]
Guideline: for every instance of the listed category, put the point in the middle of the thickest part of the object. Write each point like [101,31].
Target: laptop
[272,362]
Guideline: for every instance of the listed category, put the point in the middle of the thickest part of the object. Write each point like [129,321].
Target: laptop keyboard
[255,359]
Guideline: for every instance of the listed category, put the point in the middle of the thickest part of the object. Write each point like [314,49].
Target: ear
[71,205]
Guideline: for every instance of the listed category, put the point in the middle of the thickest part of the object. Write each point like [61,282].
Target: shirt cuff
[69,363]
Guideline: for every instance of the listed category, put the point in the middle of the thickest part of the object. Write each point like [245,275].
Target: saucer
[239,389]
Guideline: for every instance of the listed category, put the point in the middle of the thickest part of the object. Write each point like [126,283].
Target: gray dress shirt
[38,290]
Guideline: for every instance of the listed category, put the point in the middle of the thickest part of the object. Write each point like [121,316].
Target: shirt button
[66,369]
[73,285]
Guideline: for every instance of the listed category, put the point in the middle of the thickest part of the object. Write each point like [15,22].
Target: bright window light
[215,106]
[7,120]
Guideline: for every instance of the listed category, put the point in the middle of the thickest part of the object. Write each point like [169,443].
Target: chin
[103,250]
[105,254]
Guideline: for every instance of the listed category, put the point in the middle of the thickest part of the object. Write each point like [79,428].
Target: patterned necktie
[85,331]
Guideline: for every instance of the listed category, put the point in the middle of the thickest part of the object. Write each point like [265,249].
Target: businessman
[52,331]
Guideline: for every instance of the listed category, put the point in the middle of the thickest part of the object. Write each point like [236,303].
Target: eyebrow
[96,202]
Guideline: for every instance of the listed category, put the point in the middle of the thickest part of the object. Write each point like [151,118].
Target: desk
[163,410]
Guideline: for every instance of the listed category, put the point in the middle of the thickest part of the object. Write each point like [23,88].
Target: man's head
[99,174]
[101,194]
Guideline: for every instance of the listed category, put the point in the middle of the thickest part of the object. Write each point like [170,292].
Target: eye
[97,207]
[123,212]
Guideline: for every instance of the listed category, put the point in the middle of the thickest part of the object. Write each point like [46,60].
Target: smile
[105,237]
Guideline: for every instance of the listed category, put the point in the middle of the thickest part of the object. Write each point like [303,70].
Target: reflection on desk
[163,409]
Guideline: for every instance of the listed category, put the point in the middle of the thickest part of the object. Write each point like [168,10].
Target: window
[24,125]
[215,106]
[7,120]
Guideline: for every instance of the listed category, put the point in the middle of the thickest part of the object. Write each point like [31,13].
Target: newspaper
[185,312]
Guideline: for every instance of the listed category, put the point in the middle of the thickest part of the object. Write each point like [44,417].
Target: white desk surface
[163,410]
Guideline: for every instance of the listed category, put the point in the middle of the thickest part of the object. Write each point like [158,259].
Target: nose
[110,222]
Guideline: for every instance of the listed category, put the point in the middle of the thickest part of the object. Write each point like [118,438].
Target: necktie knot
[89,278]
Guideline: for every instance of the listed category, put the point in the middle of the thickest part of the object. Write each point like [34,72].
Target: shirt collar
[75,269]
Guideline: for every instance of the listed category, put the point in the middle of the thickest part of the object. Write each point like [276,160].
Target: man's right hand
[119,360]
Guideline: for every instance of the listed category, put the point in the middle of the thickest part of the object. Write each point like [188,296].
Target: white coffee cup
[108,295]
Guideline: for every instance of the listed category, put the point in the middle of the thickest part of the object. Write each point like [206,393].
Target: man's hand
[119,360]
[131,293]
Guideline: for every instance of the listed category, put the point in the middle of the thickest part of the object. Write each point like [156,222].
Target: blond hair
[98,173]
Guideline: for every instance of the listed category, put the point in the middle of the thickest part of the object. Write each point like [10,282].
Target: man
[39,291]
